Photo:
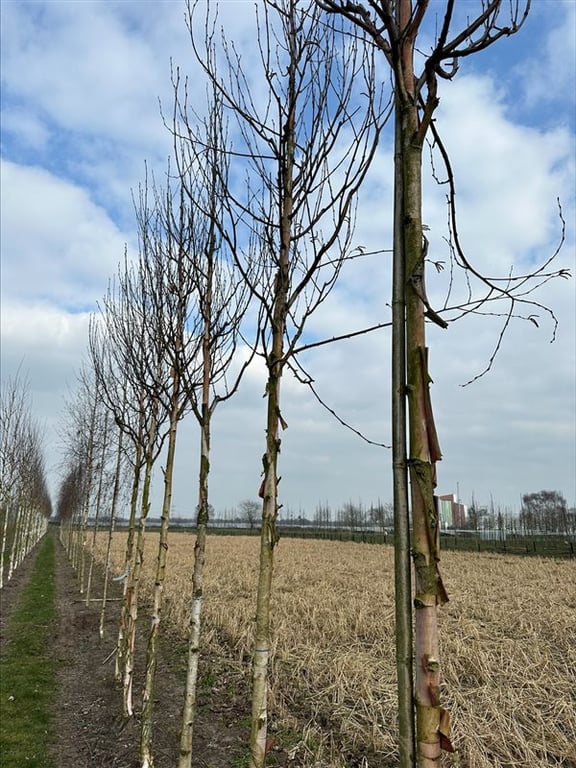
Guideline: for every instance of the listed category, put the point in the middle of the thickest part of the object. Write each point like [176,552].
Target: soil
[89,731]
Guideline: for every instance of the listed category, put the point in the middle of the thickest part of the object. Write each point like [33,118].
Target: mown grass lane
[27,669]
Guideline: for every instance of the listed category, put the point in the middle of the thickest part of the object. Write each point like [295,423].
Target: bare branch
[305,379]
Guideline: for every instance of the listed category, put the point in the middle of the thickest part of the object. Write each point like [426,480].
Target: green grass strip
[27,669]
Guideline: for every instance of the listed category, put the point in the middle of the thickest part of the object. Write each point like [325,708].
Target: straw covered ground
[508,647]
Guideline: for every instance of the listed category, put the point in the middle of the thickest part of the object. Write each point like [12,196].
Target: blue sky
[81,85]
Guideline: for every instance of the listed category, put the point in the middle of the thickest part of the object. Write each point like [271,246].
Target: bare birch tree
[116,477]
[393,27]
[129,362]
[68,505]
[306,153]
[98,504]
[178,332]
[81,437]
[143,346]
[14,425]
[201,160]
[86,423]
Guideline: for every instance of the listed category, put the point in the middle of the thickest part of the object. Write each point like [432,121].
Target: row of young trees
[216,256]
[96,469]
[242,241]
[25,504]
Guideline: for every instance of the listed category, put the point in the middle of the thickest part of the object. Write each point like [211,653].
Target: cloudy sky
[81,86]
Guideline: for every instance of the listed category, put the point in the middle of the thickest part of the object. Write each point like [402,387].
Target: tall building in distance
[453,514]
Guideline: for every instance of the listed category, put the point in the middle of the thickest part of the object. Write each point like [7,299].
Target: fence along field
[509,645]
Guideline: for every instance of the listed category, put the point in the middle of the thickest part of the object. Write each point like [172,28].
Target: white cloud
[28,126]
[548,76]
[57,245]
[83,68]
[37,327]
[48,345]
[508,176]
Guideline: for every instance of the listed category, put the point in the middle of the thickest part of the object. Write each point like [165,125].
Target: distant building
[445,512]
[452,513]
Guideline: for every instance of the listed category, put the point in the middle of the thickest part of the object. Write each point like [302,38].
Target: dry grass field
[508,642]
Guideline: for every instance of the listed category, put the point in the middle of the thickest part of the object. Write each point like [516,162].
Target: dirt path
[11,591]
[86,718]
[91,732]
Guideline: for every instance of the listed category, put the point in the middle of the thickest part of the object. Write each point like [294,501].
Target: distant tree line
[544,512]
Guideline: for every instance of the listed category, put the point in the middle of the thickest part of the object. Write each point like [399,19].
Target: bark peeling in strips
[393,27]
